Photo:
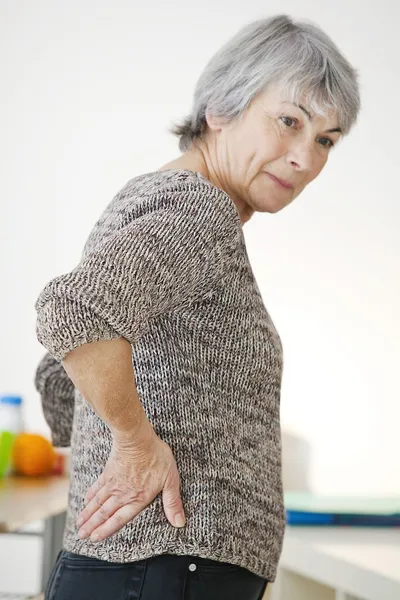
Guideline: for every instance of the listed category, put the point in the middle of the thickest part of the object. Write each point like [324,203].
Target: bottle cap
[15,400]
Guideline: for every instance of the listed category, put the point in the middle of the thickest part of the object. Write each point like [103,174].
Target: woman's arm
[103,372]
[57,394]
[140,465]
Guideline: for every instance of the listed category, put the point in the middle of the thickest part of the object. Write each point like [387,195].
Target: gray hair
[297,55]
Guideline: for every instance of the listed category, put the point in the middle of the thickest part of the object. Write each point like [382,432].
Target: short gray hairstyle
[297,55]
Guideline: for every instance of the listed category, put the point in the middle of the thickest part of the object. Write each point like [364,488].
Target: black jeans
[162,577]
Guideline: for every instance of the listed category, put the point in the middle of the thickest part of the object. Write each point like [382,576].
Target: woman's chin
[271,205]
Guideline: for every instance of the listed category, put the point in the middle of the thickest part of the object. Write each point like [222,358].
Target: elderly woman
[164,367]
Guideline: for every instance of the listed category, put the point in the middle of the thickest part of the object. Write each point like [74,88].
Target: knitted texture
[57,394]
[166,267]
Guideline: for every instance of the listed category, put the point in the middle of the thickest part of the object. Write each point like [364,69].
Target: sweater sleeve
[57,394]
[173,253]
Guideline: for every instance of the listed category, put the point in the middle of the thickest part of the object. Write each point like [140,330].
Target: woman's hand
[132,478]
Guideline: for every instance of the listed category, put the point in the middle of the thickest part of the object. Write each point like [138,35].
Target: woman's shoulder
[169,182]
[169,189]
[177,194]
[142,193]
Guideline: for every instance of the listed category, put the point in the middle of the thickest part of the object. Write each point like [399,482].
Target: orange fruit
[32,454]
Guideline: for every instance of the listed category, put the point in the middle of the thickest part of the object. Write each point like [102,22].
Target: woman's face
[272,138]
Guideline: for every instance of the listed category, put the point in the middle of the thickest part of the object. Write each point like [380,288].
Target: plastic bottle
[11,424]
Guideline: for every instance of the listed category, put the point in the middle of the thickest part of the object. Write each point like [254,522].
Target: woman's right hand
[132,478]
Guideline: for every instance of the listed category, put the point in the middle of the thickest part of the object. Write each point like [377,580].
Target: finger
[172,501]
[120,518]
[100,516]
[92,491]
[96,502]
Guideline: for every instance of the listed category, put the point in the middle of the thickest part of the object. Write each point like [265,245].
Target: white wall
[88,90]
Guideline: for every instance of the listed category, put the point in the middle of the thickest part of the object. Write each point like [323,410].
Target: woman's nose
[301,157]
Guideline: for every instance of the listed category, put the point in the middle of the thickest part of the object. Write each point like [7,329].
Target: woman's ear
[213,122]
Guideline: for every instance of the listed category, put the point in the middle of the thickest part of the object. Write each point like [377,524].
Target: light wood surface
[26,499]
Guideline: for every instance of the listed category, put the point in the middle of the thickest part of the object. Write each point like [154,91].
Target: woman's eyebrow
[334,129]
[310,118]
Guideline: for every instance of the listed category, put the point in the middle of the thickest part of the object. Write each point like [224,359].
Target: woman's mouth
[280,182]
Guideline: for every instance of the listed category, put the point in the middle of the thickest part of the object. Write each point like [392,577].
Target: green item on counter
[6,442]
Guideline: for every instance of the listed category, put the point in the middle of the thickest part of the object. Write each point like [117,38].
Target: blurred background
[89,89]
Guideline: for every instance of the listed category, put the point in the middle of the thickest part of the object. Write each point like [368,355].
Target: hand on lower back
[131,480]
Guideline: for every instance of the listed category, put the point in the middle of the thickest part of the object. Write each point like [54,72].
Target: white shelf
[339,563]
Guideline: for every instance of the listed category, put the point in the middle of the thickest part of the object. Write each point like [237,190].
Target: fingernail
[82,534]
[79,521]
[179,520]
[94,537]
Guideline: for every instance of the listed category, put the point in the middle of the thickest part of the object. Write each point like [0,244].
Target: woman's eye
[285,119]
[329,143]
[290,121]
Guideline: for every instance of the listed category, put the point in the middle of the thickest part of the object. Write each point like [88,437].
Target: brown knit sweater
[166,267]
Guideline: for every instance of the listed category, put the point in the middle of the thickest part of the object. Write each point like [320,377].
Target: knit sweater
[166,267]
